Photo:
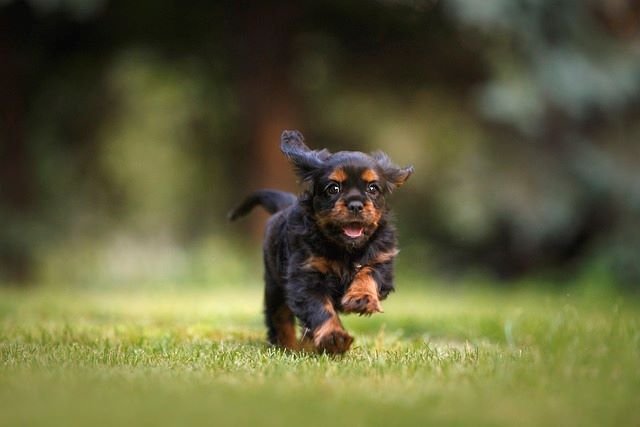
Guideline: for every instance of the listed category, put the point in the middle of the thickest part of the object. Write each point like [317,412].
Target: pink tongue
[353,231]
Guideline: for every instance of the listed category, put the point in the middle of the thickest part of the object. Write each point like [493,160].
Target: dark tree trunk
[15,184]
[263,57]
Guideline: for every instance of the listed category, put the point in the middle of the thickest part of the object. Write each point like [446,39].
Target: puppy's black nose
[355,206]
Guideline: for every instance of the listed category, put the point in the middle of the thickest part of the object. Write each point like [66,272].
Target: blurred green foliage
[128,129]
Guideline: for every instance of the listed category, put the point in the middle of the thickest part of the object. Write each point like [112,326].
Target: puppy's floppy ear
[305,161]
[394,175]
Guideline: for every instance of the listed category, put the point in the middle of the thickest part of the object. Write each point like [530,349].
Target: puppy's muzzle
[355,207]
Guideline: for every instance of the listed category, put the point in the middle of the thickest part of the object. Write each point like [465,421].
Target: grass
[197,357]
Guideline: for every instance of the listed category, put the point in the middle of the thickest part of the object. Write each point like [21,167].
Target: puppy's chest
[338,272]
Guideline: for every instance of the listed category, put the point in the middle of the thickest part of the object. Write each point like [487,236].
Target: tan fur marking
[328,305]
[370,175]
[331,337]
[340,214]
[330,325]
[383,257]
[323,265]
[340,210]
[371,214]
[362,296]
[338,175]
[284,324]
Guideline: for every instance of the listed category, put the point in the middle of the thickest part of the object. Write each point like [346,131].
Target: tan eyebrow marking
[338,175]
[369,175]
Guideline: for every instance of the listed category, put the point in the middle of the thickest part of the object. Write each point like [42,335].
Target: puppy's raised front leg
[362,295]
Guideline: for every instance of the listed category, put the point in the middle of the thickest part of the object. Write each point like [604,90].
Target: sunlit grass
[177,357]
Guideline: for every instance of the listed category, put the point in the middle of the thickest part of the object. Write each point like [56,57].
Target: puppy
[329,251]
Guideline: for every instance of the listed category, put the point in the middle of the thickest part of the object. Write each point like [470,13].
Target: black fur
[330,250]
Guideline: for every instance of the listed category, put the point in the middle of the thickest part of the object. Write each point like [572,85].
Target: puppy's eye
[332,189]
[373,188]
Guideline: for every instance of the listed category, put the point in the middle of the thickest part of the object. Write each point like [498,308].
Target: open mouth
[353,230]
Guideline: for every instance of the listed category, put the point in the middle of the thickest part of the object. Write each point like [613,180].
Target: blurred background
[129,128]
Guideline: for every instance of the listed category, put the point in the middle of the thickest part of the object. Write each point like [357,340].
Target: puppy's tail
[271,200]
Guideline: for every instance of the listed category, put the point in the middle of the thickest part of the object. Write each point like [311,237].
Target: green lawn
[433,358]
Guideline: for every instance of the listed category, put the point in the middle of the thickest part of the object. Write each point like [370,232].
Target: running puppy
[330,250]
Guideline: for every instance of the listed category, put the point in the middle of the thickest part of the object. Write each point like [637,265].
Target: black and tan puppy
[331,250]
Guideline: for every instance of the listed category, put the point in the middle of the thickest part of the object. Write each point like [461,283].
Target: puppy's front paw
[362,303]
[362,295]
[336,341]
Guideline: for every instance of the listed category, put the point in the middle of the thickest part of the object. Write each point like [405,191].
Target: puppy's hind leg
[279,318]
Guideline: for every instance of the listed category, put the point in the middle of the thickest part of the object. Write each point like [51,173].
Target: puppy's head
[347,189]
